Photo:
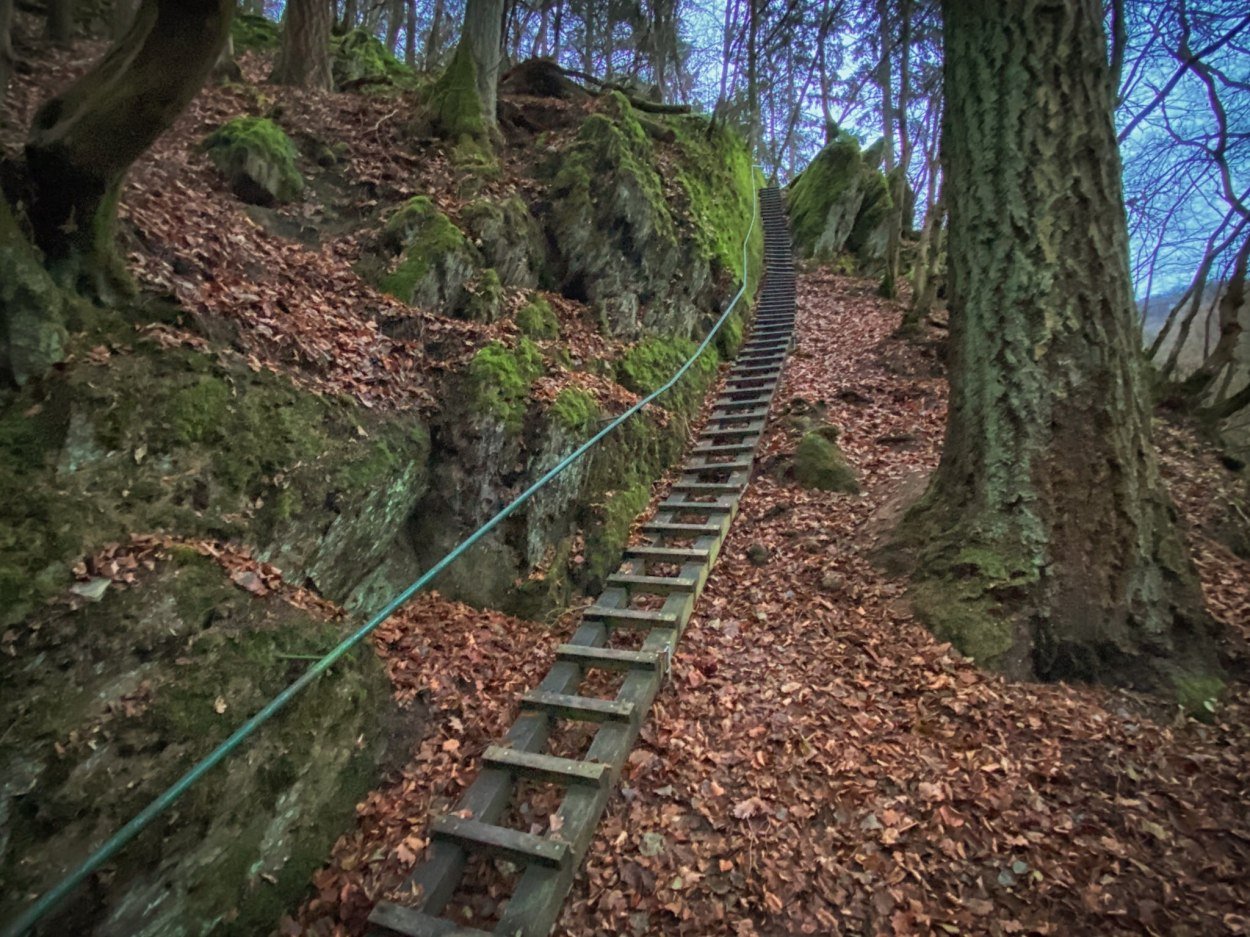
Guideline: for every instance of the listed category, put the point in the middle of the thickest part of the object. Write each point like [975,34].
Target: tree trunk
[434,38]
[304,58]
[84,139]
[123,16]
[928,261]
[896,180]
[483,27]
[60,22]
[410,33]
[394,20]
[1047,543]
[1195,387]
[6,45]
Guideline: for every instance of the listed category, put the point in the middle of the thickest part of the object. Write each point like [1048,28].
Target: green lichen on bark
[1048,474]
[257,159]
[453,107]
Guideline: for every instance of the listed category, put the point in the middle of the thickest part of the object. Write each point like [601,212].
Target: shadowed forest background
[296,297]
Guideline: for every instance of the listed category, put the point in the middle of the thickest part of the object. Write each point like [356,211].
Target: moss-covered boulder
[819,463]
[360,59]
[648,366]
[509,237]
[108,705]
[257,159]
[436,261]
[869,236]
[485,299]
[649,257]
[825,199]
[254,33]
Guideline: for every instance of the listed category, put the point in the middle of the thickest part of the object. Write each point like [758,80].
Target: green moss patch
[257,159]
[360,59]
[819,463]
[499,380]
[252,32]
[649,364]
[453,108]
[436,260]
[576,410]
[537,320]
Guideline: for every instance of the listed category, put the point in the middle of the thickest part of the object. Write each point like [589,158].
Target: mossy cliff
[651,253]
[108,705]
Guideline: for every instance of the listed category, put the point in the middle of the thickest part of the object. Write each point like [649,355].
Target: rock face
[257,159]
[839,204]
[620,244]
[436,260]
[509,237]
[149,679]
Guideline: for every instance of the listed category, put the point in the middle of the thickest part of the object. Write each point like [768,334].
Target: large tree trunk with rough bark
[6,45]
[1047,545]
[304,57]
[60,21]
[83,140]
[483,23]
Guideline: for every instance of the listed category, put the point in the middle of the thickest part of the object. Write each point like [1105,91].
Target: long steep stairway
[651,597]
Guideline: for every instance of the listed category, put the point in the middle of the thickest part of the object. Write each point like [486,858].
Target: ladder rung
[714,448]
[661,528]
[584,708]
[695,507]
[413,923]
[550,768]
[706,468]
[635,617]
[706,487]
[656,585]
[671,554]
[524,848]
[609,658]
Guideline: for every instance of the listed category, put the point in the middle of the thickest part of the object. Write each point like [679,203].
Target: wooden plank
[542,767]
[581,708]
[493,840]
[610,658]
[668,554]
[660,528]
[696,507]
[655,585]
[632,617]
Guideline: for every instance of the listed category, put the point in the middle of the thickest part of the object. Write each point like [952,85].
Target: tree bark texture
[60,21]
[483,25]
[304,57]
[1047,543]
[6,45]
[84,139]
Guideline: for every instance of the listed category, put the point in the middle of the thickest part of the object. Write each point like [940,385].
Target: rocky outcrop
[839,204]
[257,159]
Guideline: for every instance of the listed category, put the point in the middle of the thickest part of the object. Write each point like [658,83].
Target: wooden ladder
[686,535]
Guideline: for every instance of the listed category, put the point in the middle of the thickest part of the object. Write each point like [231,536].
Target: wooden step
[743,413]
[631,617]
[663,529]
[654,585]
[548,768]
[717,448]
[609,658]
[581,708]
[695,507]
[708,468]
[704,488]
[752,428]
[671,554]
[412,923]
[522,848]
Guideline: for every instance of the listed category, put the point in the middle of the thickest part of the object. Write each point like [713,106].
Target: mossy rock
[254,33]
[824,201]
[576,410]
[360,59]
[509,237]
[1198,694]
[537,320]
[171,439]
[819,463]
[436,260]
[650,363]
[969,621]
[257,159]
[485,298]
[868,237]
[499,380]
[109,704]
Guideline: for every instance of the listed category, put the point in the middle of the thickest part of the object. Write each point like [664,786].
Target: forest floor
[820,764]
